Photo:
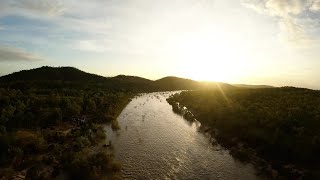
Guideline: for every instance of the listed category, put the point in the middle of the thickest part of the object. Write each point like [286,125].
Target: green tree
[91,106]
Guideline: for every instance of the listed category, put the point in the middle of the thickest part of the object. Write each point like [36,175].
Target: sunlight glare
[208,56]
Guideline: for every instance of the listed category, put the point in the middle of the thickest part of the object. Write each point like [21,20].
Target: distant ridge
[132,79]
[252,86]
[172,82]
[55,77]
[47,73]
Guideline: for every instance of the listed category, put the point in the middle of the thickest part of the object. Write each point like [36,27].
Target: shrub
[115,125]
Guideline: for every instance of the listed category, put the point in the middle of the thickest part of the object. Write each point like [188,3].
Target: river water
[156,143]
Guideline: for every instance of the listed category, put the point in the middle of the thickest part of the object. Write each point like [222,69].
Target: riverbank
[50,133]
[236,120]
[69,151]
[236,149]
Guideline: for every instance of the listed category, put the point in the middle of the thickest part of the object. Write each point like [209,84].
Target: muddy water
[156,143]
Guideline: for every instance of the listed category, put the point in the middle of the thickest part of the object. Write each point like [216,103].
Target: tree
[91,106]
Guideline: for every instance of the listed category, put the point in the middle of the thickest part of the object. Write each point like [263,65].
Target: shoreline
[240,150]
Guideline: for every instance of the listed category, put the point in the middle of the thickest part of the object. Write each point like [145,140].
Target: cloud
[97,46]
[50,7]
[284,8]
[315,6]
[293,32]
[291,15]
[280,8]
[32,8]
[9,54]
[257,5]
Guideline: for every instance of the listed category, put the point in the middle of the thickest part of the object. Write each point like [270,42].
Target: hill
[130,83]
[133,79]
[70,77]
[46,73]
[61,77]
[175,83]
[252,86]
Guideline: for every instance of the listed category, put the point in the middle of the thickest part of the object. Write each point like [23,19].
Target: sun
[206,57]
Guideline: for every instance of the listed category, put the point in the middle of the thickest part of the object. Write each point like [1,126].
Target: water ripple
[155,143]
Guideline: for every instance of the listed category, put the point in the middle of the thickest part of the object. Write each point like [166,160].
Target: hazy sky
[238,41]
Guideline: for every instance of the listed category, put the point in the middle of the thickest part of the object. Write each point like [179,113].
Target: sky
[273,42]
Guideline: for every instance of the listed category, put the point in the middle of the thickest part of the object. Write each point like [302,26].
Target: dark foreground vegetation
[47,133]
[50,124]
[277,129]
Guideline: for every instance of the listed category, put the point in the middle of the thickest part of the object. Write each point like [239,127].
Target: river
[156,143]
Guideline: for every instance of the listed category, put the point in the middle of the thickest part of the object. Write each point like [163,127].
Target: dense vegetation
[49,125]
[47,129]
[48,107]
[275,128]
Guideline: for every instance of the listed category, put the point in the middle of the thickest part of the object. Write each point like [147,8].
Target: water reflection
[156,143]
